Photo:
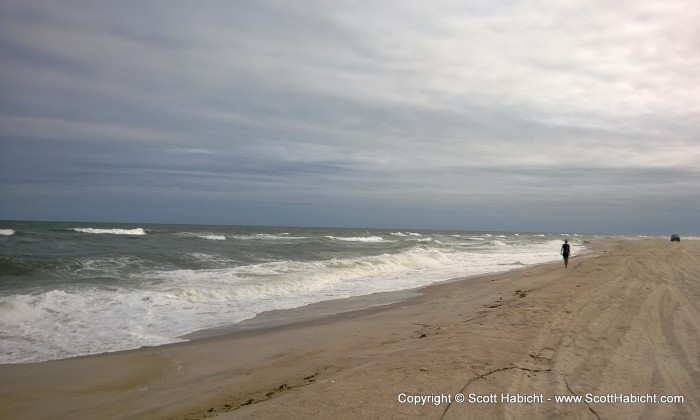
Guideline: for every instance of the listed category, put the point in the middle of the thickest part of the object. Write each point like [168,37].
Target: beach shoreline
[538,330]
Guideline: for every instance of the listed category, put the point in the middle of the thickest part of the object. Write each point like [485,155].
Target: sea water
[70,289]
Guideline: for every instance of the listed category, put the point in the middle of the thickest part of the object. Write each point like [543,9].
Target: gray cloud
[450,114]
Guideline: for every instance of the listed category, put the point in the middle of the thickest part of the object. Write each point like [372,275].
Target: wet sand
[620,324]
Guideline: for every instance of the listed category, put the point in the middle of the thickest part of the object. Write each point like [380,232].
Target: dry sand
[625,321]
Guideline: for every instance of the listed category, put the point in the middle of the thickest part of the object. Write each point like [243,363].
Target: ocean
[72,289]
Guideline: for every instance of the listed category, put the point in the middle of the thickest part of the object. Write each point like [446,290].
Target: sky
[513,116]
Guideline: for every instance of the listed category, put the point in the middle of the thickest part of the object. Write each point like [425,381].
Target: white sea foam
[208,236]
[213,237]
[296,282]
[58,324]
[268,236]
[6,232]
[426,240]
[13,311]
[137,231]
[356,238]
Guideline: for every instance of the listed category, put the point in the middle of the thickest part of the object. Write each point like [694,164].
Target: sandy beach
[620,328]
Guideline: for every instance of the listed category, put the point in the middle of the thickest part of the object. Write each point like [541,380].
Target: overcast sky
[516,115]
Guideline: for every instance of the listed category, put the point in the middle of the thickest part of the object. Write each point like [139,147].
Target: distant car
[675,238]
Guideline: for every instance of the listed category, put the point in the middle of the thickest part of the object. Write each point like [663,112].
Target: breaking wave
[137,231]
[357,238]
[213,237]
[208,236]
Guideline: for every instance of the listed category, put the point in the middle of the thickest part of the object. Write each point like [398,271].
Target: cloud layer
[443,114]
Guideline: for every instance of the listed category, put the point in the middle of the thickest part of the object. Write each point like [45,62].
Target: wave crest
[356,238]
[137,231]
[294,279]
[213,237]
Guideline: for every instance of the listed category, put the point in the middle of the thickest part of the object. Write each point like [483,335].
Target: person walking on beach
[565,250]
